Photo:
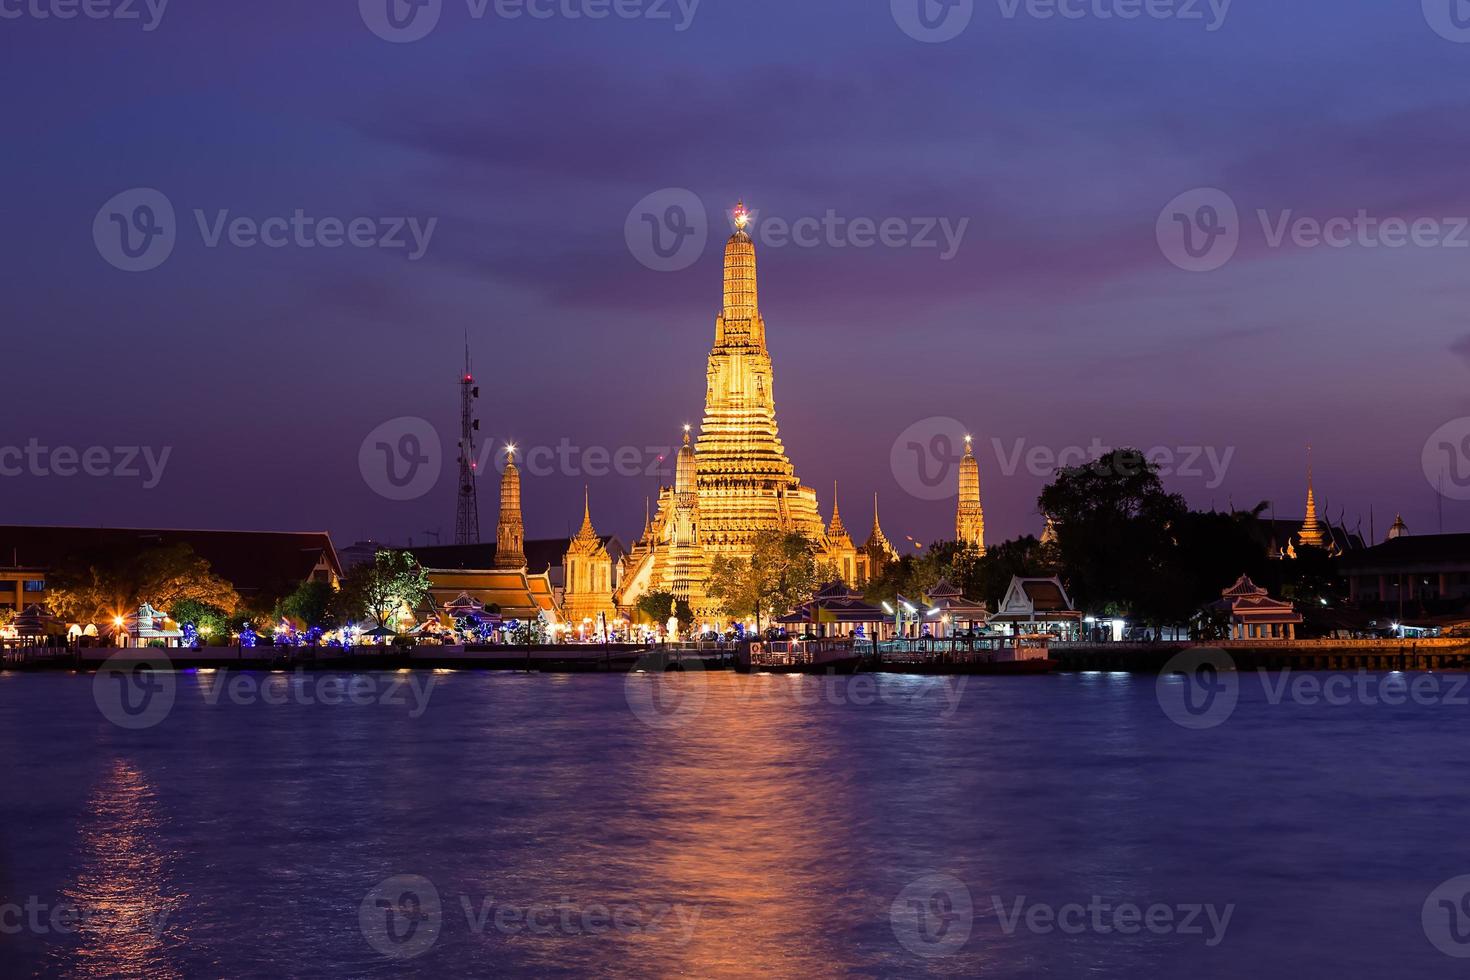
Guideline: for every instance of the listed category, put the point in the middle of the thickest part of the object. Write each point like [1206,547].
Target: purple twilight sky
[1057,318]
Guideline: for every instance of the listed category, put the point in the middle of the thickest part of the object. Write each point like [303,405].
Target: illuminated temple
[735,480]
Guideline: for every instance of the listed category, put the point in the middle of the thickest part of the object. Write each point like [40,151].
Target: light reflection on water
[780,819]
[121,891]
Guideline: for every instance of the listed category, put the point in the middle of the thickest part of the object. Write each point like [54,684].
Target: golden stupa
[735,480]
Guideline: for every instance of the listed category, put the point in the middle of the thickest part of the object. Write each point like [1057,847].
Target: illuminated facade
[589,574]
[735,481]
[969,521]
[510,534]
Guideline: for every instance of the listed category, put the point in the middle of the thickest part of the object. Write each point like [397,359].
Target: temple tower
[969,521]
[510,535]
[589,574]
[745,482]
[880,552]
[1311,534]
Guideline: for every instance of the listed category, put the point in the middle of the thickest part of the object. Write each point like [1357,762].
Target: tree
[378,589]
[781,573]
[654,607]
[208,620]
[99,586]
[1115,527]
[313,604]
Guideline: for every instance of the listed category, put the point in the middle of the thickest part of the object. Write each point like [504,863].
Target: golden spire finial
[742,216]
[510,452]
[686,433]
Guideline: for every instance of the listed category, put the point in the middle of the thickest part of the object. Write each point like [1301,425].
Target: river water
[468,822]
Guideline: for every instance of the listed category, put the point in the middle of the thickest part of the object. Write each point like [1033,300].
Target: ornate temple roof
[837,536]
[586,541]
[877,541]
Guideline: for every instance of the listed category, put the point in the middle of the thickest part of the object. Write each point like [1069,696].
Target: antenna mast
[467,520]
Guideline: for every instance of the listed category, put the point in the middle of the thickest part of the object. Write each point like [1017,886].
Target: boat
[816,656]
[1028,653]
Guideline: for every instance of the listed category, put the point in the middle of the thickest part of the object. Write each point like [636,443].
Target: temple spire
[740,319]
[969,521]
[878,545]
[836,531]
[587,531]
[1311,532]
[510,535]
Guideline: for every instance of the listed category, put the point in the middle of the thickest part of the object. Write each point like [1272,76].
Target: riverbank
[1149,658]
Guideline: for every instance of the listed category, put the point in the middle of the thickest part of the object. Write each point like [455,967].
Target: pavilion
[1254,615]
[836,610]
[1039,605]
[948,608]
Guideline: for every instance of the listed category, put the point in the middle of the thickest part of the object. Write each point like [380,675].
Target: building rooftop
[271,562]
